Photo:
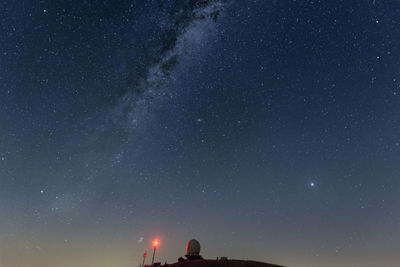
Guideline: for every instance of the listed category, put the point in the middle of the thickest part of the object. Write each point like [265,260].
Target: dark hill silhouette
[220,263]
[194,259]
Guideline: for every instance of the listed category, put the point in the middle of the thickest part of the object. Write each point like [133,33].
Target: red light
[156,243]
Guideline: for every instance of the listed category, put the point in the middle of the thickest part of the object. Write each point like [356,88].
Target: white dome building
[193,250]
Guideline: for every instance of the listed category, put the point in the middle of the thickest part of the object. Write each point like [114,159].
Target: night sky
[266,129]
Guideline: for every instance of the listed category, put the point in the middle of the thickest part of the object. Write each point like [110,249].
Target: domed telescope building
[193,250]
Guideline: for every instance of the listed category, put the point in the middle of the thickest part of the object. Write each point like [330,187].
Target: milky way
[189,26]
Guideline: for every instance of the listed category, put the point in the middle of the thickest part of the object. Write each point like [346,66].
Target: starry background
[268,130]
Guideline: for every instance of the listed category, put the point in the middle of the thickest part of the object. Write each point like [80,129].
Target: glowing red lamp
[156,243]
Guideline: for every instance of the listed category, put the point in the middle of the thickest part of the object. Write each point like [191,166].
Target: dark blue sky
[268,130]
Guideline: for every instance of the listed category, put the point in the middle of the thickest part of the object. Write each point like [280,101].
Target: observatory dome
[193,248]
